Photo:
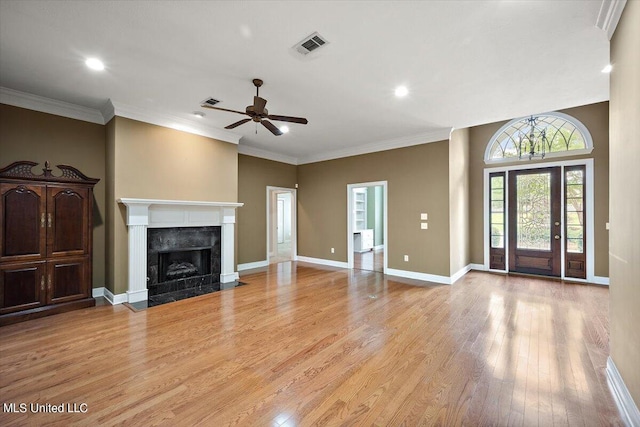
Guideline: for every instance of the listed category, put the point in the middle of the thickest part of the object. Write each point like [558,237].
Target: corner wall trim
[601,280]
[97,292]
[460,273]
[114,299]
[443,280]
[328,262]
[252,265]
[479,267]
[621,395]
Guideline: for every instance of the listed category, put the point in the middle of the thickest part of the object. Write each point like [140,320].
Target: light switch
[424,217]
[606,225]
[424,225]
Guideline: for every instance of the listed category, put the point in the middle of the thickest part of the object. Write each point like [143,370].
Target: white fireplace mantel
[154,213]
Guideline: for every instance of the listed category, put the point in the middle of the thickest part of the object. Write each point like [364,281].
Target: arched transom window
[541,136]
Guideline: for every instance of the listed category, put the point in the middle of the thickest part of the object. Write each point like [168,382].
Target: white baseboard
[464,270]
[444,280]
[328,262]
[375,248]
[114,299]
[137,296]
[229,277]
[478,267]
[252,265]
[600,280]
[97,292]
[621,395]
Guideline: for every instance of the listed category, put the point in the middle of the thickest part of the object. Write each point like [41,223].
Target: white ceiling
[465,63]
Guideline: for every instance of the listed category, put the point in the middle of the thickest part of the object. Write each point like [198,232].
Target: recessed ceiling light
[401,91]
[94,64]
[198,114]
[607,69]
[284,129]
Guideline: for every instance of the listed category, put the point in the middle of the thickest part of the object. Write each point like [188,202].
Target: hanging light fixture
[534,143]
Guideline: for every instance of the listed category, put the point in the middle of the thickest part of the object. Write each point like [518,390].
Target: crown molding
[50,106]
[389,144]
[609,15]
[264,154]
[114,108]
[173,122]
[108,111]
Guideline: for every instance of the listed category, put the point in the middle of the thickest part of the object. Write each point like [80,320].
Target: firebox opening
[182,263]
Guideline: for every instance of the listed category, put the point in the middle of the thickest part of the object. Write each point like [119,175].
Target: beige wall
[459,199]
[154,162]
[254,175]
[417,182]
[596,118]
[35,136]
[624,236]
[112,261]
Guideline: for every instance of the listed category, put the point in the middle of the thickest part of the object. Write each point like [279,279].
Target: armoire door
[22,222]
[66,279]
[22,286]
[67,219]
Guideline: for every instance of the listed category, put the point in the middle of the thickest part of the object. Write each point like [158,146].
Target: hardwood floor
[301,345]
[370,260]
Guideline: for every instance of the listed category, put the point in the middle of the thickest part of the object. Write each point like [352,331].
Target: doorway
[534,221]
[281,224]
[367,226]
[539,220]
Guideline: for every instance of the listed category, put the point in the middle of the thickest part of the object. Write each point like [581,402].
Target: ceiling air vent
[210,101]
[310,43]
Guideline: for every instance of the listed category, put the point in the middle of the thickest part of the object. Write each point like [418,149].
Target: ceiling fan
[259,114]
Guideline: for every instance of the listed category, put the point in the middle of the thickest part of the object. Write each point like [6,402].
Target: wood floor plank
[301,345]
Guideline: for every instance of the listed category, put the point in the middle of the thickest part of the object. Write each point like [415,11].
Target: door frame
[271,219]
[589,206]
[385,221]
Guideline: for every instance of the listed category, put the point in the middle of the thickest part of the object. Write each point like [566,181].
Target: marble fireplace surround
[152,213]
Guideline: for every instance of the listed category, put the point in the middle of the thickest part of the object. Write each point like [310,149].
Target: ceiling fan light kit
[259,113]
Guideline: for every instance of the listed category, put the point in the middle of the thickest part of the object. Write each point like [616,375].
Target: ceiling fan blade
[273,128]
[223,109]
[300,120]
[259,104]
[238,123]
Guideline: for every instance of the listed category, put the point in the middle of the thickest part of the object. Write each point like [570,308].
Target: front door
[535,221]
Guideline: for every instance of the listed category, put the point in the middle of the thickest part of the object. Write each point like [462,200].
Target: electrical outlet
[424,225]
[424,216]
[406,258]
[333,250]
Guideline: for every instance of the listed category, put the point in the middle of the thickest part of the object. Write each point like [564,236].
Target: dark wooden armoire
[45,241]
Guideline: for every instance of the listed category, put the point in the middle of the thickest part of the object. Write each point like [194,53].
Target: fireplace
[190,217]
[181,258]
[183,263]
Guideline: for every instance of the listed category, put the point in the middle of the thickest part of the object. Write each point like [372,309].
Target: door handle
[42,220]
[557,237]
[49,219]
[557,223]
[42,282]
